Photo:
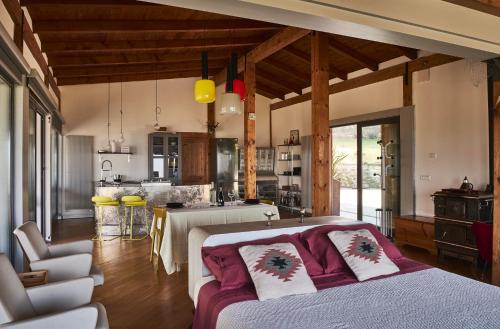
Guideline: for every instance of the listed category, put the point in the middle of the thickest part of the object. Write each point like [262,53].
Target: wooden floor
[137,296]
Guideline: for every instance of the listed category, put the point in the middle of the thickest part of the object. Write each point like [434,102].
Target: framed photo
[294,137]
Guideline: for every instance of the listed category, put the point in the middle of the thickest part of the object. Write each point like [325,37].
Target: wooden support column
[249,118]
[496,186]
[321,143]
[407,87]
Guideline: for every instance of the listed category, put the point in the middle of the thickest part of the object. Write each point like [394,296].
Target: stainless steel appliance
[224,164]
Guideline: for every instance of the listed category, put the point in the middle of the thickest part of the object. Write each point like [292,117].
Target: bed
[418,296]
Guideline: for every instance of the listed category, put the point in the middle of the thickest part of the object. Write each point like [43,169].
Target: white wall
[451,121]
[84,108]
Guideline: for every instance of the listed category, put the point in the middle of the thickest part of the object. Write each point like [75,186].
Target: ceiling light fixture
[157,108]
[121,140]
[230,101]
[204,89]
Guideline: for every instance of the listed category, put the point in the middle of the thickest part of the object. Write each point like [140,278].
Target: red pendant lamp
[239,85]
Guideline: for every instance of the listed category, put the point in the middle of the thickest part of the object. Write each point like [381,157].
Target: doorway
[366,162]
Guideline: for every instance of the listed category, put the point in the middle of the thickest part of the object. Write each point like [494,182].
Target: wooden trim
[373,77]
[408,52]
[496,186]
[353,54]
[283,38]
[321,143]
[14,10]
[201,26]
[249,133]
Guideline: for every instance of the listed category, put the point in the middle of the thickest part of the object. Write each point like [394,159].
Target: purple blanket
[211,301]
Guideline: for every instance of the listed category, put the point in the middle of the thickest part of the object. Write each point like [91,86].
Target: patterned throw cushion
[276,270]
[362,253]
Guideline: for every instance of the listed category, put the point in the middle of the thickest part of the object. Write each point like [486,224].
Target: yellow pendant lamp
[204,89]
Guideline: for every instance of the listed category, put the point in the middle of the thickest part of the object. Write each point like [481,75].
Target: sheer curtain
[306,180]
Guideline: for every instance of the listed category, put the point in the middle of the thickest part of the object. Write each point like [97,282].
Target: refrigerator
[224,164]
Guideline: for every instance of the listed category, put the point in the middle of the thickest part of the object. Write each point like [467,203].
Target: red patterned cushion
[325,253]
[226,264]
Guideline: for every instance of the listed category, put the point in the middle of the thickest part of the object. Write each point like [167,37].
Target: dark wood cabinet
[454,214]
[194,158]
[415,231]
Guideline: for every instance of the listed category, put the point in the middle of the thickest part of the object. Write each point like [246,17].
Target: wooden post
[249,123]
[321,143]
[407,87]
[495,277]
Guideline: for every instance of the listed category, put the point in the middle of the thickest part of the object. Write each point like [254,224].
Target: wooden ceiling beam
[145,45]
[200,26]
[100,70]
[281,39]
[85,2]
[395,71]
[353,54]
[408,52]
[288,70]
[129,77]
[56,61]
[268,81]
[306,59]
[289,84]
[265,93]
[270,90]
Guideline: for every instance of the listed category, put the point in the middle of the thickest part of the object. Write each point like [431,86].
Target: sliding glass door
[6,168]
[366,162]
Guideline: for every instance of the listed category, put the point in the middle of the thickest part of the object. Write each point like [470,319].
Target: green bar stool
[131,202]
[100,203]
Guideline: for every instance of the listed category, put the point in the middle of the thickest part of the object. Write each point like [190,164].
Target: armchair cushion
[60,296]
[80,318]
[71,248]
[32,241]
[65,268]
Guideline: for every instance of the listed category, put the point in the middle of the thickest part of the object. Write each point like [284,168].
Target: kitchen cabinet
[194,158]
[164,157]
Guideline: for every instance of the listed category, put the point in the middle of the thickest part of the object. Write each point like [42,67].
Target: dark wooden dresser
[454,213]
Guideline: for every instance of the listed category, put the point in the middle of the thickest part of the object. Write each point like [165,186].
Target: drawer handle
[444,234]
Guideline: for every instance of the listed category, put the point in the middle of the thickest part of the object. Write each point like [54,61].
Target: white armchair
[62,261]
[64,304]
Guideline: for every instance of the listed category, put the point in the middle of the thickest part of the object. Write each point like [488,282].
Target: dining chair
[158,229]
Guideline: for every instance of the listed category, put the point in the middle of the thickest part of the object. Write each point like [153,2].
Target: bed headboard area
[216,235]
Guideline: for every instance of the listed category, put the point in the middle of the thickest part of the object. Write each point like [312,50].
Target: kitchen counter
[157,194]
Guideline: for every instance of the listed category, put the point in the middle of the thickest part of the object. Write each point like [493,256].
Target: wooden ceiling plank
[231,25]
[373,77]
[286,69]
[290,85]
[306,59]
[270,90]
[265,93]
[129,77]
[100,70]
[275,85]
[56,61]
[144,45]
[281,39]
[353,54]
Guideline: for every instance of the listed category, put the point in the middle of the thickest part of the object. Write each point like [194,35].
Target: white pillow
[362,253]
[276,270]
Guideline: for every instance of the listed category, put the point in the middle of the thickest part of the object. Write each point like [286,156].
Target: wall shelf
[106,152]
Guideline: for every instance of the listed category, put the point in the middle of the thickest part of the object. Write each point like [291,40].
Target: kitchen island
[157,194]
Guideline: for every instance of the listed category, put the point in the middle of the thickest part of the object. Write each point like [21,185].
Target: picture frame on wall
[294,137]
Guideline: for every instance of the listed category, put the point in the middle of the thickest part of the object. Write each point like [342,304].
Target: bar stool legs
[100,203]
[131,202]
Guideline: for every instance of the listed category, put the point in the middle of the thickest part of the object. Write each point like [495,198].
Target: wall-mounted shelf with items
[289,168]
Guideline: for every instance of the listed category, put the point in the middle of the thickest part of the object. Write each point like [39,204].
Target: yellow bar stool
[131,202]
[100,203]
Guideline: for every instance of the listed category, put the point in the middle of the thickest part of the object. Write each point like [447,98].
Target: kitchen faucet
[107,170]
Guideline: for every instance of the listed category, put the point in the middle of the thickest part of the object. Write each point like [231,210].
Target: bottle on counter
[220,198]
[213,193]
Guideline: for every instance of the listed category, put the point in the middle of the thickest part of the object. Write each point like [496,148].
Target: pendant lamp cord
[121,108]
[109,105]
[156,97]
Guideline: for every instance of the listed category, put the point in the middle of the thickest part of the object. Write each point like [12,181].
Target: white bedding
[428,299]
